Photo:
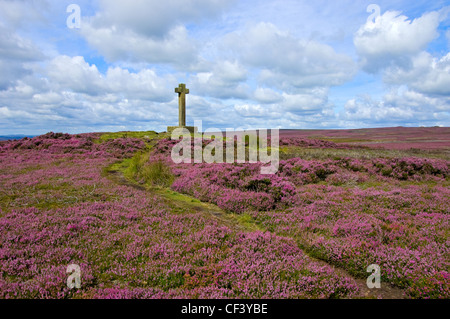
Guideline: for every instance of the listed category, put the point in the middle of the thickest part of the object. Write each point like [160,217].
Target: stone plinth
[192,129]
[182,91]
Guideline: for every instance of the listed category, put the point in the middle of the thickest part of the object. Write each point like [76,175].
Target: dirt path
[386,291]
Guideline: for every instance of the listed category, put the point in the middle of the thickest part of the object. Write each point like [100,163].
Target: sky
[290,64]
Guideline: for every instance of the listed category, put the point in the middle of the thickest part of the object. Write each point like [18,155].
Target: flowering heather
[315,143]
[57,143]
[399,138]
[242,187]
[59,207]
[351,212]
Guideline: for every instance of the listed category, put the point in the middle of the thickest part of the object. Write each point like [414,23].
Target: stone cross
[182,91]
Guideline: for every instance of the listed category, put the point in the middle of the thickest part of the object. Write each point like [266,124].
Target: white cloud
[256,65]
[226,80]
[121,44]
[250,110]
[392,39]
[47,98]
[146,84]
[366,109]
[287,62]
[420,104]
[149,31]
[74,73]
[306,103]
[15,53]
[155,18]
[267,95]
[231,71]
[73,93]
[427,74]
[396,108]
[6,113]
[20,13]
[308,107]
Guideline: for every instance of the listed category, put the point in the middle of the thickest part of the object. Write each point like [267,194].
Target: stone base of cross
[182,91]
[191,129]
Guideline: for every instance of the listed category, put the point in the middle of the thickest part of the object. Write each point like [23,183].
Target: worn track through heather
[386,291]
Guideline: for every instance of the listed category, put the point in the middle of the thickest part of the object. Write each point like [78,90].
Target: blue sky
[248,64]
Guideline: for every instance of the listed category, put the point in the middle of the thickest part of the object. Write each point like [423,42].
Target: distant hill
[13,137]
[383,137]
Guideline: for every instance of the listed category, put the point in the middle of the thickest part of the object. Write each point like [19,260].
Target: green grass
[133,167]
[52,195]
[248,222]
[157,178]
[175,196]
[363,153]
[149,135]
[118,166]
[138,168]
[157,174]
[352,140]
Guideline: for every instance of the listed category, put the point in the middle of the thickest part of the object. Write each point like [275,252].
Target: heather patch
[59,208]
[349,211]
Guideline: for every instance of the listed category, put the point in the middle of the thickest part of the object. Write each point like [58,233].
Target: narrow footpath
[188,203]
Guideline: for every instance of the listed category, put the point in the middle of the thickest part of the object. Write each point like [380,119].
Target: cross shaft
[182,91]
